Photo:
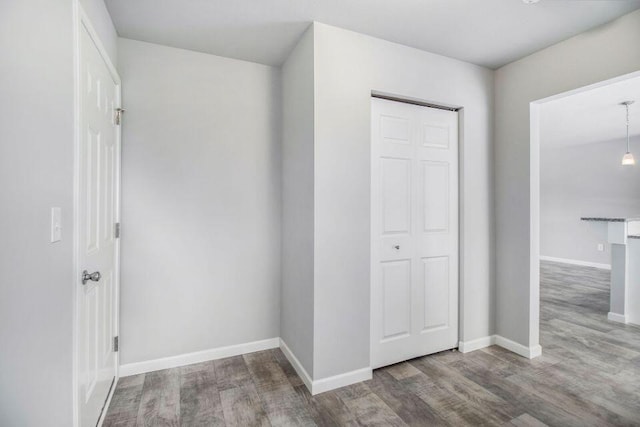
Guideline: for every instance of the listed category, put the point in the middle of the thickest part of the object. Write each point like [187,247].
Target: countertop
[609,219]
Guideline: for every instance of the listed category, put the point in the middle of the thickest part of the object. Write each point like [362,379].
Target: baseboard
[197,357]
[576,262]
[302,373]
[477,344]
[317,386]
[615,317]
[342,380]
[324,384]
[517,348]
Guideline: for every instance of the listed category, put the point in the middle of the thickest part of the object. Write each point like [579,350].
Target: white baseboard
[325,384]
[317,386]
[342,380]
[615,317]
[197,357]
[477,344]
[302,373]
[519,349]
[576,262]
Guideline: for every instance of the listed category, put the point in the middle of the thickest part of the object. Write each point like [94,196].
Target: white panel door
[97,249]
[414,253]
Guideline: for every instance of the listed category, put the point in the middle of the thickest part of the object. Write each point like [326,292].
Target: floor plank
[367,408]
[327,409]
[413,410]
[200,403]
[123,411]
[160,401]
[283,405]
[232,372]
[243,408]
[526,420]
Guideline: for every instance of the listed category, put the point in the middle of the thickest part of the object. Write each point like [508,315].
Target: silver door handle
[396,247]
[86,276]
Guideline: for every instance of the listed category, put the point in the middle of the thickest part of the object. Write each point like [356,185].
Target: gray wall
[36,173]
[296,317]
[101,21]
[201,201]
[584,180]
[600,54]
[348,67]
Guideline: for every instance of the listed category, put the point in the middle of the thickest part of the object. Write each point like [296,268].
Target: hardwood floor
[588,375]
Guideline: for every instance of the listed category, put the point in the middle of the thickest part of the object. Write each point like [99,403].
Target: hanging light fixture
[627,159]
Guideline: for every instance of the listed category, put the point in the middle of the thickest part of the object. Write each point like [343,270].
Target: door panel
[91,193]
[97,200]
[436,136]
[395,129]
[396,291]
[396,195]
[435,200]
[436,292]
[414,242]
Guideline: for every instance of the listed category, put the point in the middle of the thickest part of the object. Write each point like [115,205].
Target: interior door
[414,292]
[97,248]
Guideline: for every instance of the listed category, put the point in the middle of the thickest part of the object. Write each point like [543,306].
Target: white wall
[36,173]
[296,317]
[597,55]
[584,180]
[201,201]
[101,21]
[348,66]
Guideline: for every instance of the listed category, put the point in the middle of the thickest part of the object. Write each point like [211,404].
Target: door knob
[86,276]
[396,247]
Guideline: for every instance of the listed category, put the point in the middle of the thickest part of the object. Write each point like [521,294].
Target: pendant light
[627,159]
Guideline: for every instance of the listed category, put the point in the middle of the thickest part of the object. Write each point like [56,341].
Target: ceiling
[484,32]
[592,116]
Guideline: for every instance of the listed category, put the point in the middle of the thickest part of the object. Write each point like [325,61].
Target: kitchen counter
[623,234]
[609,219]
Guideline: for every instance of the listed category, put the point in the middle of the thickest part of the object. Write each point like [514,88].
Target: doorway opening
[583,205]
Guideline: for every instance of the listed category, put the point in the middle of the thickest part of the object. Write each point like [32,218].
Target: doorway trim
[81,22]
[461,278]
[534,198]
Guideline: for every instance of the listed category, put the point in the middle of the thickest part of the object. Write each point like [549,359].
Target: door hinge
[118,116]
[115,344]
[117,230]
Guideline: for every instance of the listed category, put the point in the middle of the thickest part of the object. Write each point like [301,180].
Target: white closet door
[414,207]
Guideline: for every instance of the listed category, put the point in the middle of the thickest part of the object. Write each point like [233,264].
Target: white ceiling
[592,116]
[485,32]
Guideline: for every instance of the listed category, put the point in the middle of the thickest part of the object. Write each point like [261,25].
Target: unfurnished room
[320,213]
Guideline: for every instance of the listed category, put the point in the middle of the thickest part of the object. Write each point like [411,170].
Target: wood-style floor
[588,375]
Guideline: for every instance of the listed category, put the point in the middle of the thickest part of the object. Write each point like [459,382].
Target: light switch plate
[56,225]
[601,247]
